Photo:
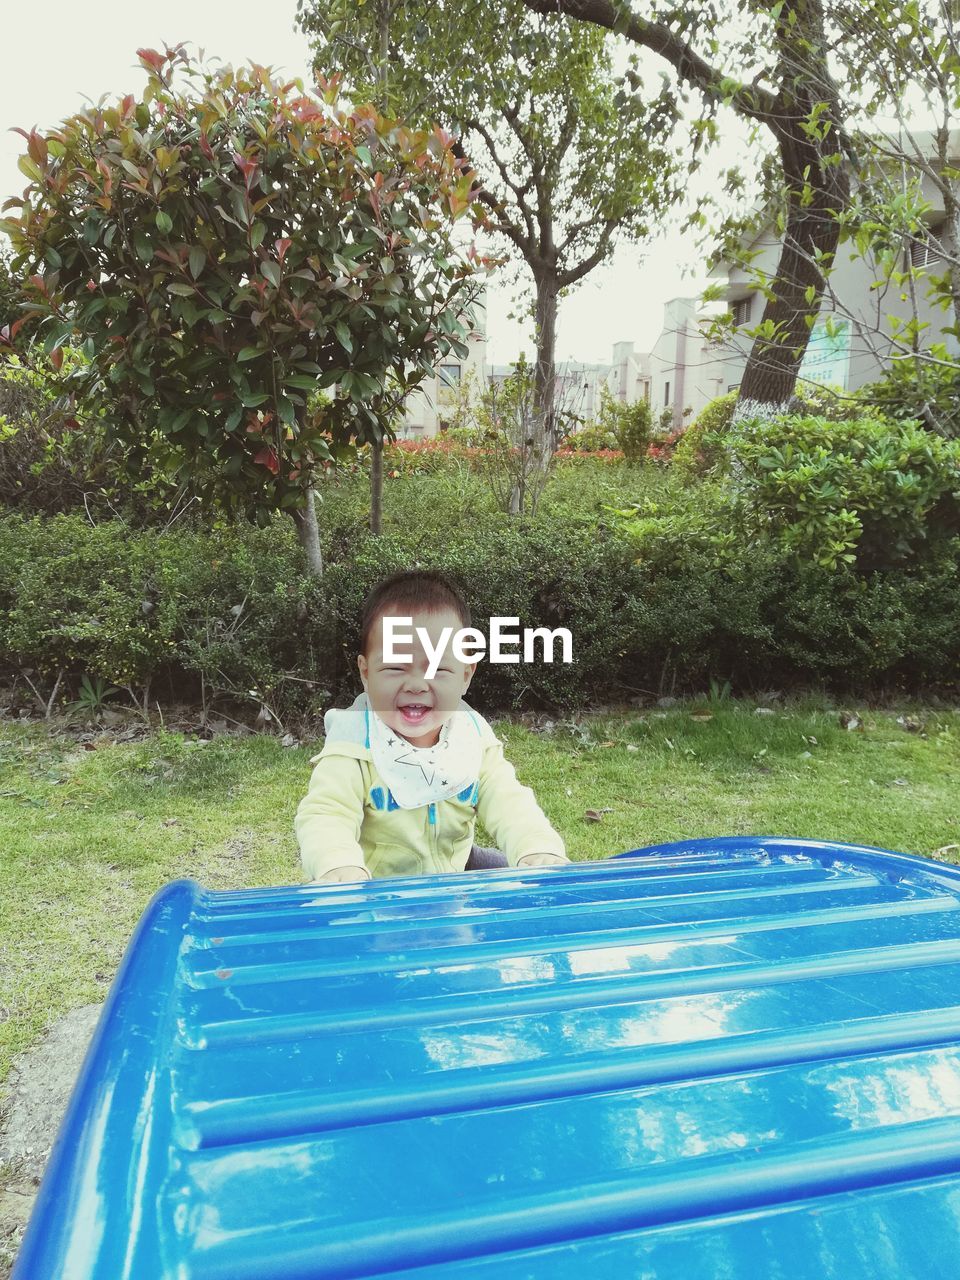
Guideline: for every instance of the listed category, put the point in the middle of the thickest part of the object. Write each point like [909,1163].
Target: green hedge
[867,492]
[234,609]
[131,606]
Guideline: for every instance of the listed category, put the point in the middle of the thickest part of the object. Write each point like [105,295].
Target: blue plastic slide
[721,1058]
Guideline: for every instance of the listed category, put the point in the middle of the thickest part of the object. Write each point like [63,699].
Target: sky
[61,53]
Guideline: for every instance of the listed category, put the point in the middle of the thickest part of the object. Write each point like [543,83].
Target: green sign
[827,358]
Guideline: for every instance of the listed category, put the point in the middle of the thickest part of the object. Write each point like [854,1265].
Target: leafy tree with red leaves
[225,245]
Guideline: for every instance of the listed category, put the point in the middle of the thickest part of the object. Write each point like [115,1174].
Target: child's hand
[543,860]
[340,875]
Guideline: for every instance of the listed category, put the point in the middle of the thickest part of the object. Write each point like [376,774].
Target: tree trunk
[953,240]
[309,534]
[545,376]
[769,379]
[376,487]
[770,376]
[817,189]
[539,441]
[376,448]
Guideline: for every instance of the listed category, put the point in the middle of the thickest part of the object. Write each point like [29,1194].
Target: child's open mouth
[415,713]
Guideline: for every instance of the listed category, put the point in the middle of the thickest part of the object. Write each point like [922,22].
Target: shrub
[663,450]
[673,592]
[471,437]
[867,492]
[630,424]
[123,230]
[50,463]
[593,438]
[225,607]
[700,448]
[547,576]
[594,455]
[813,401]
[919,391]
[426,457]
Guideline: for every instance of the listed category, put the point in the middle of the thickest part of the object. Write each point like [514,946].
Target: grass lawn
[88,833]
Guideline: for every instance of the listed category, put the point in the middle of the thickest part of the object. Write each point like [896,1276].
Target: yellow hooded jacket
[349,819]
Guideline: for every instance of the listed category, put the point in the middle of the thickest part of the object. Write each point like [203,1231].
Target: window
[740,310]
[666,393]
[926,248]
[450,375]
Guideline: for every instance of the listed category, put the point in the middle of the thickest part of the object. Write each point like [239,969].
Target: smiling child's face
[400,693]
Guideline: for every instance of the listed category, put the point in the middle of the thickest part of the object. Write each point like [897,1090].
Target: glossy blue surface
[723,1058]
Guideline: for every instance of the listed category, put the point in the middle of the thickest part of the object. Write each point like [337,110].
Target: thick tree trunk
[769,379]
[816,184]
[309,534]
[806,256]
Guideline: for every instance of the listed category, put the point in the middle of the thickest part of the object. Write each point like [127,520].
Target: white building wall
[684,371]
[431,406]
[864,347]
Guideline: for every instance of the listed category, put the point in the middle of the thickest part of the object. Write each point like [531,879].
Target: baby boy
[407,769]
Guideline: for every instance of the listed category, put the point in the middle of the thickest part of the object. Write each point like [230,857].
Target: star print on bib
[419,776]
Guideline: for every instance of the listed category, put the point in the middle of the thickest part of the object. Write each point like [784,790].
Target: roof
[719,1058]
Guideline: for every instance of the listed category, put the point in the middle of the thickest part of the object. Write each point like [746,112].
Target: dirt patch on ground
[34,1100]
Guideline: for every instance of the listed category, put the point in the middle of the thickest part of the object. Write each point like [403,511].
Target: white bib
[418,776]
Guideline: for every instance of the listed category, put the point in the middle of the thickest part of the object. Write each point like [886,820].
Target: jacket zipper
[435,826]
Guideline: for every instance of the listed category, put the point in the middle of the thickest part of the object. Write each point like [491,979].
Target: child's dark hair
[412,591]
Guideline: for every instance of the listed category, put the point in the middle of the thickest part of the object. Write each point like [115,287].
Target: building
[852,340]
[684,370]
[432,406]
[579,386]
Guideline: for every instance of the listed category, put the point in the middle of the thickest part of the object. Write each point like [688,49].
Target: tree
[902,61]
[566,160]
[224,249]
[769,62]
